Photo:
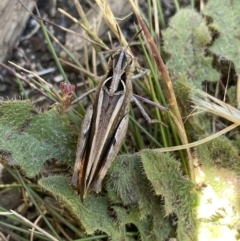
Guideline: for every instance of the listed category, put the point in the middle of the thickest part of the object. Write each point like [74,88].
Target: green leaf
[132,217]
[142,208]
[185,40]
[226,18]
[168,181]
[128,185]
[124,179]
[221,151]
[92,213]
[32,138]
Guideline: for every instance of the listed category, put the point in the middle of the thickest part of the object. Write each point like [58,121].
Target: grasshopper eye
[129,58]
[129,61]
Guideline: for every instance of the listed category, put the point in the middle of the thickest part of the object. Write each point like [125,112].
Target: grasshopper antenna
[134,36]
[131,40]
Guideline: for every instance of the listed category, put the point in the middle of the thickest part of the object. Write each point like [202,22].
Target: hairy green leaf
[221,151]
[185,40]
[30,138]
[92,213]
[226,18]
[141,208]
[131,187]
[132,217]
[124,179]
[168,181]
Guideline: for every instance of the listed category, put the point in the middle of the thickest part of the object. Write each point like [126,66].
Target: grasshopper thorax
[121,62]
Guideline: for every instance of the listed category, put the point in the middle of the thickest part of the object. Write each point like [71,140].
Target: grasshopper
[105,124]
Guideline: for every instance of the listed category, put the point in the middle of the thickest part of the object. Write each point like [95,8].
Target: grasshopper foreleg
[141,74]
[103,59]
[83,96]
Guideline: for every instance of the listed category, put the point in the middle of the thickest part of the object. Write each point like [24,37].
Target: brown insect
[104,125]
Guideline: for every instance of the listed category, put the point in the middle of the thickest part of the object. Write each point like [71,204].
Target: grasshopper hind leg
[144,113]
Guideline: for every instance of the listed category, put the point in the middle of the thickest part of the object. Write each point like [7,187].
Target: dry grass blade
[90,74]
[81,13]
[34,226]
[216,107]
[94,39]
[5,213]
[2,237]
[197,143]
[35,223]
[41,80]
[238,91]
[168,88]
[111,20]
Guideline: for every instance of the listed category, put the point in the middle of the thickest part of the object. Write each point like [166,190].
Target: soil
[31,52]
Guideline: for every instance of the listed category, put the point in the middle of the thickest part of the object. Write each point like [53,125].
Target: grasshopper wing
[114,147]
[80,164]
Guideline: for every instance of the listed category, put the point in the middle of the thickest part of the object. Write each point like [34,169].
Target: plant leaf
[97,212]
[32,138]
[167,180]
[226,18]
[185,40]
[131,188]
[92,213]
